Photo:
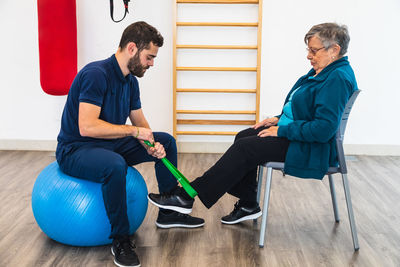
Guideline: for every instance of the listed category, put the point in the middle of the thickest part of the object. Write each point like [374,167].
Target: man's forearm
[105,130]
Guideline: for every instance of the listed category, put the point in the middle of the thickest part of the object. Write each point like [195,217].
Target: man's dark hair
[142,34]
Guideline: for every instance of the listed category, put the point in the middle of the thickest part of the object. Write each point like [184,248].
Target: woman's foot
[241,213]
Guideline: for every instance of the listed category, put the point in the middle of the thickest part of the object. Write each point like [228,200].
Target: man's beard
[135,67]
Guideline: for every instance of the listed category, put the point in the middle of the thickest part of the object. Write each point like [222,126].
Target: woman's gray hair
[330,34]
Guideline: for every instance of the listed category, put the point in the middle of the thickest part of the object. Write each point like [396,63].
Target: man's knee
[165,139]
[115,169]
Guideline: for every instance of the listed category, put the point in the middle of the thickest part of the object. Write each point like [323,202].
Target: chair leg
[333,195]
[259,184]
[259,181]
[350,211]
[265,207]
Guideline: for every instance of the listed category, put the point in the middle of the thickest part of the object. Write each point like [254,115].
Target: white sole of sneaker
[245,218]
[166,226]
[178,209]
[119,264]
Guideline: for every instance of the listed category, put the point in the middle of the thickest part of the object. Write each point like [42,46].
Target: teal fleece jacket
[317,109]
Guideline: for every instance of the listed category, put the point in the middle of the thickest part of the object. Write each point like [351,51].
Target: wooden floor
[301,228]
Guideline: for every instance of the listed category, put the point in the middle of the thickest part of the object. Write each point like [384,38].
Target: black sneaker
[124,253]
[172,201]
[241,213]
[172,219]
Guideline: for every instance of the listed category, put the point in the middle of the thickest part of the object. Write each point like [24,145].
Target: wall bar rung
[245,112]
[217,1]
[204,133]
[217,122]
[219,24]
[216,69]
[201,90]
[216,46]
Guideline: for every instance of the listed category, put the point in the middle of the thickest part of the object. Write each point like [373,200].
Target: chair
[332,170]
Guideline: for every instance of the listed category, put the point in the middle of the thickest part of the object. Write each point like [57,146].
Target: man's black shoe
[124,253]
[172,219]
[241,213]
[172,201]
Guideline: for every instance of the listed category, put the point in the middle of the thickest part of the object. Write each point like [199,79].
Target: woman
[303,136]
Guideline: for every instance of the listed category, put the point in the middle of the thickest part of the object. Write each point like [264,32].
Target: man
[96,144]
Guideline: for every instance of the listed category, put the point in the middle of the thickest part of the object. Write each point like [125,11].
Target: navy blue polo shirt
[100,83]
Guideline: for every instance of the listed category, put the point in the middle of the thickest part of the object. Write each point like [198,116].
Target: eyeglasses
[314,51]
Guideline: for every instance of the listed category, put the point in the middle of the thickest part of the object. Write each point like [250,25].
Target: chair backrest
[342,128]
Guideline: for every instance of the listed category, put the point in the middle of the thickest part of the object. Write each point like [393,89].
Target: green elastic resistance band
[179,176]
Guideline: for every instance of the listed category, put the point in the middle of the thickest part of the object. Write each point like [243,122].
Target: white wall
[30,119]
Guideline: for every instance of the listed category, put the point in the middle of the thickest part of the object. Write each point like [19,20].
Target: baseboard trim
[372,150]
[34,145]
[201,147]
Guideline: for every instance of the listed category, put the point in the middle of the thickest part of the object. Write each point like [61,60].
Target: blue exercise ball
[71,210]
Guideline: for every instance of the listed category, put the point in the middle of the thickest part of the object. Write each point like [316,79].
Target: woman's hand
[267,122]
[271,131]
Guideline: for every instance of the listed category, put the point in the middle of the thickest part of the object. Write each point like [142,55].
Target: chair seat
[333,170]
[275,165]
[281,165]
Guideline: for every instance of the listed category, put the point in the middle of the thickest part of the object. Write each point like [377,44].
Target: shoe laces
[175,213]
[165,194]
[236,207]
[183,215]
[126,247]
